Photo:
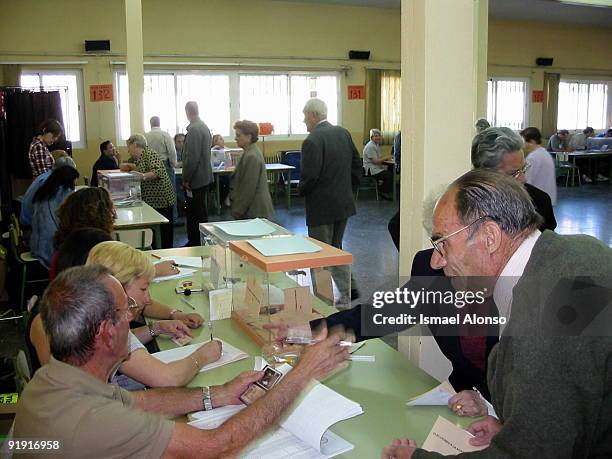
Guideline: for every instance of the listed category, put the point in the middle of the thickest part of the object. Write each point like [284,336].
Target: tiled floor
[586,209]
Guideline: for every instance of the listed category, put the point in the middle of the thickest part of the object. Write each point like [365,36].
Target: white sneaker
[586,179]
[602,178]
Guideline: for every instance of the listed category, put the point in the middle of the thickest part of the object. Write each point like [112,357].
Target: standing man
[197,172]
[330,172]
[109,159]
[179,141]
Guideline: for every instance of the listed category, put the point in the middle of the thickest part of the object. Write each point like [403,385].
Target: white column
[134,66]
[441,51]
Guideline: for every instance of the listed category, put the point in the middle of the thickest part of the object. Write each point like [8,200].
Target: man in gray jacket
[329,175]
[197,172]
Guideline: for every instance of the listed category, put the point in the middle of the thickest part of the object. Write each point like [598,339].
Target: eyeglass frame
[522,171]
[132,306]
[435,242]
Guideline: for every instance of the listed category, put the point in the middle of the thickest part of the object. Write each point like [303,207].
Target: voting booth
[283,279]
[216,236]
[225,158]
[123,187]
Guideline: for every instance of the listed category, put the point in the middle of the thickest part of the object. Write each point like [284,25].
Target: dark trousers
[394,229]
[197,212]
[167,230]
[386,177]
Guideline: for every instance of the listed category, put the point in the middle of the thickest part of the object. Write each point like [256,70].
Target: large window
[390,102]
[69,85]
[224,97]
[507,103]
[581,104]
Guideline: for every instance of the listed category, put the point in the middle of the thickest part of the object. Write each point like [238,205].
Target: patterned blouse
[40,158]
[158,193]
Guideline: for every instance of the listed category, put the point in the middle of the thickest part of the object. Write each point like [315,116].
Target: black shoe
[354,294]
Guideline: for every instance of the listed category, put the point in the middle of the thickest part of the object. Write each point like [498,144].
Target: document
[193,262]
[183,272]
[303,431]
[220,303]
[230,354]
[438,396]
[447,438]
[246,228]
[289,245]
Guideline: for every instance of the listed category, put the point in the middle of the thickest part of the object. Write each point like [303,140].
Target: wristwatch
[206,400]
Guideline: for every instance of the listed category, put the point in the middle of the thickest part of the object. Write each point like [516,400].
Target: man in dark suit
[330,171]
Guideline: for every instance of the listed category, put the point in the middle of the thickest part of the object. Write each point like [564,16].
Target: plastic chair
[293,158]
[363,185]
[272,183]
[24,260]
[138,238]
[565,168]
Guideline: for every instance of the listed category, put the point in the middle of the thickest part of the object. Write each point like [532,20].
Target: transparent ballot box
[225,158]
[123,187]
[216,236]
[286,280]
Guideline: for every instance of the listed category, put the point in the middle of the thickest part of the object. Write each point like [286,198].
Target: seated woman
[157,189]
[249,191]
[91,208]
[45,204]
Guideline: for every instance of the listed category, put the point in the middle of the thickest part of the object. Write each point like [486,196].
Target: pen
[312,341]
[187,303]
[159,258]
[210,327]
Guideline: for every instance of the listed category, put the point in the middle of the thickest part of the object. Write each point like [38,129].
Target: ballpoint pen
[210,328]
[187,303]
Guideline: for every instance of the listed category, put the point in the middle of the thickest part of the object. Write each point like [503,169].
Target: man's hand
[166,268]
[210,352]
[468,403]
[484,431]
[318,360]
[127,167]
[186,185]
[399,449]
[228,393]
[173,328]
[192,320]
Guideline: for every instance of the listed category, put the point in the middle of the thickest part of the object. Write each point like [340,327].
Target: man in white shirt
[579,141]
[541,170]
[373,162]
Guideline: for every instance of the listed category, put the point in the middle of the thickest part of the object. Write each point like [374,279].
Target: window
[507,103]
[581,104]
[69,85]
[224,97]
[390,102]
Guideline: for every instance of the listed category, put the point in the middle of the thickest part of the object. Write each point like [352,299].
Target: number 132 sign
[101,92]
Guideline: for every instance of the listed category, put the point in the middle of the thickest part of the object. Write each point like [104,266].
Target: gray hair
[74,305]
[482,124]
[490,145]
[429,204]
[137,139]
[374,132]
[317,107]
[192,107]
[154,121]
[64,161]
[499,197]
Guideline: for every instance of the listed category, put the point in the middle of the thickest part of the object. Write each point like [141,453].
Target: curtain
[551,102]
[391,109]
[372,102]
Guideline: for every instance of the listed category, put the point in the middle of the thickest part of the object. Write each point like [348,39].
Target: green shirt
[158,193]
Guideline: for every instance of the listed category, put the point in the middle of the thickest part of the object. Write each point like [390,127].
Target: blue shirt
[25,217]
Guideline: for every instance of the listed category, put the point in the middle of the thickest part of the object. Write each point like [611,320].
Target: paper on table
[220,303]
[284,246]
[194,262]
[245,228]
[438,396]
[230,354]
[183,272]
[446,438]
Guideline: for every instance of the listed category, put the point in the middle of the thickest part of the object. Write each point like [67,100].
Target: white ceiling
[525,10]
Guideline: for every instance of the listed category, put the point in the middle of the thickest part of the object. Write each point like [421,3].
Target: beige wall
[269,33]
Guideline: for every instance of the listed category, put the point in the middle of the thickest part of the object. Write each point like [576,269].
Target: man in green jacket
[550,375]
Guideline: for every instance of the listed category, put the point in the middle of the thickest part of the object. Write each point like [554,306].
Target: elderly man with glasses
[86,316]
[550,374]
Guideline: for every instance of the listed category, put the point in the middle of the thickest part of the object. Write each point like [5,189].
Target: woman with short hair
[39,157]
[249,191]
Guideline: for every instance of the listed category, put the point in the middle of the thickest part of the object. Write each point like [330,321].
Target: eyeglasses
[522,171]
[437,242]
[131,310]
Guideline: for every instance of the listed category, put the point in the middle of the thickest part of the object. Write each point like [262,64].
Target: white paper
[289,245]
[230,354]
[363,358]
[245,228]
[449,439]
[193,262]
[183,272]
[220,303]
[438,396]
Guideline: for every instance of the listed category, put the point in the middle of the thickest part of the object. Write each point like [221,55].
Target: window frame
[526,102]
[590,81]
[234,93]
[78,73]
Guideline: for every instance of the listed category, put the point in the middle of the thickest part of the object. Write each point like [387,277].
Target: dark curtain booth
[22,113]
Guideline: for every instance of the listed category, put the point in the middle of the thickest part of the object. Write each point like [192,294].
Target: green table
[382,387]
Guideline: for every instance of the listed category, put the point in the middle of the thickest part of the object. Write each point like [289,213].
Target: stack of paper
[246,228]
[183,272]
[303,431]
[289,245]
[230,354]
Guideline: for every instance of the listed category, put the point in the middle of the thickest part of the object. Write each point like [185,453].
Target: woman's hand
[172,328]
[468,403]
[192,320]
[210,352]
[399,449]
[127,167]
[166,268]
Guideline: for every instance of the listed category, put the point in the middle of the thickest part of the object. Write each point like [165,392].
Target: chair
[25,260]
[565,168]
[138,238]
[363,185]
[272,183]
[293,158]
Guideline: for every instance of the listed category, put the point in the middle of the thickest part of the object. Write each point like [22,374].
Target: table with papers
[382,387]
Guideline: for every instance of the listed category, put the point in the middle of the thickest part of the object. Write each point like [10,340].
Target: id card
[259,388]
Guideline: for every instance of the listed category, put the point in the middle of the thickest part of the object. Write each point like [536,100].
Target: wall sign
[537,96]
[356,92]
[101,93]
